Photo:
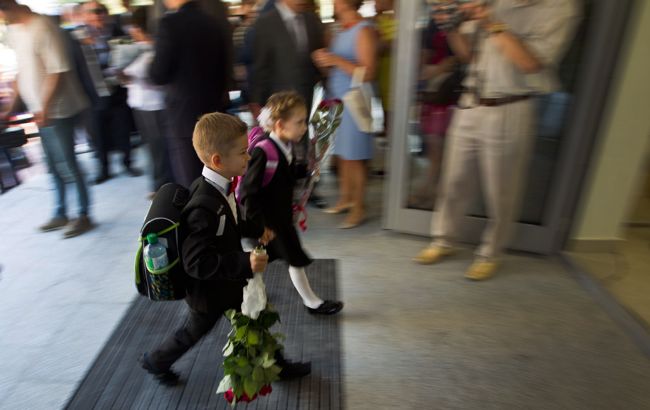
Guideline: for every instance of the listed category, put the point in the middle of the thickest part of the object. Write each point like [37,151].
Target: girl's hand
[267,236]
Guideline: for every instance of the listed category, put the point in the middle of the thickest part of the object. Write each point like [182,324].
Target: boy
[212,254]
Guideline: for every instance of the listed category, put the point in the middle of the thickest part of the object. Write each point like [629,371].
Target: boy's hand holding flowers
[258,262]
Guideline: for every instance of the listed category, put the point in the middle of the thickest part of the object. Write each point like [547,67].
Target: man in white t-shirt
[50,89]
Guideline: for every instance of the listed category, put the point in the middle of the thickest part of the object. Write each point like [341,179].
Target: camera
[448,14]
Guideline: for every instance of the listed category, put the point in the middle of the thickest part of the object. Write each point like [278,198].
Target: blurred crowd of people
[158,69]
[155,70]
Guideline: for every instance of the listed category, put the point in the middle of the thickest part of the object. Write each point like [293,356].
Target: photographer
[512,48]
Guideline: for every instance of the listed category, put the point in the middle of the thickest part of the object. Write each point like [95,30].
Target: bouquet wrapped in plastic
[324,120]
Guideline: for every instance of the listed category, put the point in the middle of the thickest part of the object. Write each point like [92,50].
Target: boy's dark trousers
[197,325]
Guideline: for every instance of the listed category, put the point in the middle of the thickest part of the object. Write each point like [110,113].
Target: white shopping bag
[254,297]
[363,104]
[255,292]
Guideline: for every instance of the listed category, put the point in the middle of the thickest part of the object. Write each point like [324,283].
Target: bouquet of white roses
[249,364]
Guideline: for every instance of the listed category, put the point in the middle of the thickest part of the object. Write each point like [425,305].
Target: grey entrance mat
[116,381]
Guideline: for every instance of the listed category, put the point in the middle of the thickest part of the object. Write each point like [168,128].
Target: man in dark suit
[284,39]
[191,59]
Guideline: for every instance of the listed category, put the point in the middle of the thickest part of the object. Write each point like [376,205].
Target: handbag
[363,104]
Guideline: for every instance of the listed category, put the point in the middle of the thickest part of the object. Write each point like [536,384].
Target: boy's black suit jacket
[212,253]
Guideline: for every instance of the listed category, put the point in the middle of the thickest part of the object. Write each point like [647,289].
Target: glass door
[567,123]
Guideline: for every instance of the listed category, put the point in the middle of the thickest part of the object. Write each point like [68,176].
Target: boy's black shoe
[292,370]
[166,377]
[328,307]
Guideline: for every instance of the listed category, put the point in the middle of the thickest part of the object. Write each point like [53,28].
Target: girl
[284,118]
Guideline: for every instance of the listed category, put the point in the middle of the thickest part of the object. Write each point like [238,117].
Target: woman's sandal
[352,222]
[338,209]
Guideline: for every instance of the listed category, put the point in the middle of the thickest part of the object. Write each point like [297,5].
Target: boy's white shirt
[284,147]
[223,186]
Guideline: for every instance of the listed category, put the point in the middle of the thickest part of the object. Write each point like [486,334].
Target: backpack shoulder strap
[255,135]
[272,159]
[200,197]
[200,200]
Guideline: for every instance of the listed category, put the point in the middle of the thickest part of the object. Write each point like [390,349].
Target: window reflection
[433,107]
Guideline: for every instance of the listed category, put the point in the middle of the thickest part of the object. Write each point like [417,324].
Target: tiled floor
[626,272]
[414,337]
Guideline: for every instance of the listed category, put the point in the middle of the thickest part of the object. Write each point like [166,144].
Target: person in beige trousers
[512,48]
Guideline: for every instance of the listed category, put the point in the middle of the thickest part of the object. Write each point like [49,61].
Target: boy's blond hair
[216,133]
[280,106]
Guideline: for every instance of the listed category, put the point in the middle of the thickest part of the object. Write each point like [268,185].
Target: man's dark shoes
[80,225]
[166,377]
[102,178]
[134,172]
[53,224]
[292,370]
[328,307]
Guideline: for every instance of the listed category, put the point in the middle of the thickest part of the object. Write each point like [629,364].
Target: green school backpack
[163,219]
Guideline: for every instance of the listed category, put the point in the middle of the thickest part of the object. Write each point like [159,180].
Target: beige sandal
[338,209]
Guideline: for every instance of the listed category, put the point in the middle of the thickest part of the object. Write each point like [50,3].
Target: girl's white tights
[301,283]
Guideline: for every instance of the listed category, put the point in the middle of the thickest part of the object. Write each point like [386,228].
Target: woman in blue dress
[354,47]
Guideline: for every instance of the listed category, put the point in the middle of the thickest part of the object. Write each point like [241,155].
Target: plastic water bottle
[155,254]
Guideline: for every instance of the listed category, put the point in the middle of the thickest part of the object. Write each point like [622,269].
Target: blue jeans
[57,139]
